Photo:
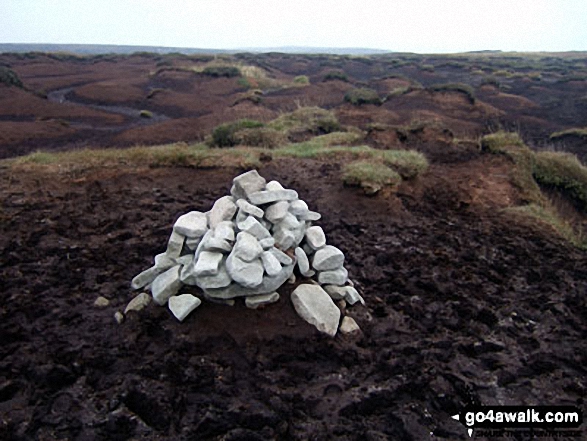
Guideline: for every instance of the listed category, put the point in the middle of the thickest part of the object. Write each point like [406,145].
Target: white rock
[247,274]
[308,249]
[247,247]
[270,263]
[224,231]
[192,244]
[298,207]
[175,245]
[254,227]
[166,285]
[118,317]
[281,256]
[315,237]
[223,209]
[164,262]
[269,284]
[253,302]
[220,280]
[292,279]
[310,216]
[209,235]
[217,245]
[146,277]
[247,183]
[207,264]
[336,292]
[303,263]
[316,307]
[352,296]
[267,243]
[138,303]
[193,224]
[181,306]
[334,277]
[349,325]
[289,222]
[101,302]
[250,208]
[274,186]
[184,260]
[266,197]
[284,239]
[328,258]
[277,211]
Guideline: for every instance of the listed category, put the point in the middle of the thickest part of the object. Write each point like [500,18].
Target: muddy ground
[464,305]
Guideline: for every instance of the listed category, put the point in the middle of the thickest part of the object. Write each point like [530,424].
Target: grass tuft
[408,163]
[464,89]
[362,95]
[370,175]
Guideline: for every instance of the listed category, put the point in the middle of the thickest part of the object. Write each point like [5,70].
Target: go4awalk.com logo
[536,421]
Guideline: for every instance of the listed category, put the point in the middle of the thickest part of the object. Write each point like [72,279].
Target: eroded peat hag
[465,304]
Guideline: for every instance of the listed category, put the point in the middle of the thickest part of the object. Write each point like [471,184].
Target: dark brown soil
[464,305]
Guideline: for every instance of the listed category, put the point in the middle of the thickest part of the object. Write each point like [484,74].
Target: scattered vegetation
[336,75]
[9,77]
[222,71]
[146,114]
[313,120]
[408,163]
[362,95]
[501,142]
[369,175]
[570,133]
[465,89]
[301,80]
[225,135]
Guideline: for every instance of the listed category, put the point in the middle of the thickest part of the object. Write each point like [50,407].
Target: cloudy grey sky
[425,26]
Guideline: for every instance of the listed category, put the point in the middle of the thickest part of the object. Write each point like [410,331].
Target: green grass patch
[221,71]
[408,163]
[225,135]
[301,80]
[312,120]
[369,175]
[362,95]
[501,142]
[335,75]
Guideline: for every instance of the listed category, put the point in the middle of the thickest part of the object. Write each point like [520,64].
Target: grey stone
[336,292]
[267,243]
[223,209]
[146,277]
[200,248]
[217,245]
[349,326]
[270,263]
[253,302]
[299,234]
[247,183]
[193,224]
[175,245]
[334,277]
[277,211]
[266,197]
[316,307]
[164,262]
[101,302]
[292,279]
[269,284]
[118,317]
[327,258]
[207,264]
[219,280]
[138,303]
[298,207]
[281,256]
[315,237]
[250,208]
[254,227]
[247,247]
[241,216]
[166,285]
[184,260]
[192,244]
[247,274]
[352,296]
[308,249]
[181,306]
[310,216]
[289,222]
[224,231]
[274,186]
[303,263]
[284,239]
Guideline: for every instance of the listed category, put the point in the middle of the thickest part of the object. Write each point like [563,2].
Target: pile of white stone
[248,245]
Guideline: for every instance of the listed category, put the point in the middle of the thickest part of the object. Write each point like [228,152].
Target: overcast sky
[424,26]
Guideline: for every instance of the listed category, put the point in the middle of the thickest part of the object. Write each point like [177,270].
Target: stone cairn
[248,245]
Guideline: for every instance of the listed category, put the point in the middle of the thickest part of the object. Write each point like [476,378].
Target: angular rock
[246,274]
[270,263]
[352,296]
[192,244]
[334,277]
[101,302]
[253,302]
[277,211]
[166,285]
[138,303]
[220,280]
[217,245]
[209,235]
[181,306]
[274,186]
[284,239]
[349,326]
[303,263]
[175,245]
[247,247]
[315,237]
[315,306]
[281,256]
[223,209]
[310,216]
[254,227]
[308,249]
[336,292]
[146,277]
[224,231]
[328,258]
[289,222]
[193,224]
[184,260]
[118,317]
[269,284]
[267,243]
[207,264]
[298,207]
[266,197]
[247,183]
[250,208]
[164,262]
